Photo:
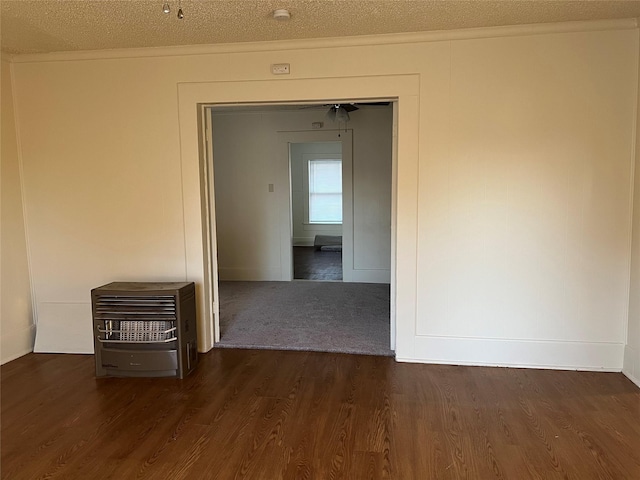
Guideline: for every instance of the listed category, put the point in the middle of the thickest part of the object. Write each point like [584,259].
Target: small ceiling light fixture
[281,14]
[166,8]
[342,115]
[338,114]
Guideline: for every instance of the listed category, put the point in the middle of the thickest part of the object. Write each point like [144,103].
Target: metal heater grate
[144,329]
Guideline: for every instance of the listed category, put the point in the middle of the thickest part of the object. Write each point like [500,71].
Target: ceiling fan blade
[317,106]
[349,107]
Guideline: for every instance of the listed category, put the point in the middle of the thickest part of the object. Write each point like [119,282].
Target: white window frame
[306,157]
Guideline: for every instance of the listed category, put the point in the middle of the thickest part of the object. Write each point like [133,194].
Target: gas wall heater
[145,329]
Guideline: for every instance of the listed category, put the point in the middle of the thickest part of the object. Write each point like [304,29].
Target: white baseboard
[250,274]
[631,366]
[561,355]
[17,344]
[369,276]
[303,241]
[64,328]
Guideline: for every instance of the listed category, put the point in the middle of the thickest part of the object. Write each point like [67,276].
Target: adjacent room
[488,219]
[286,227]
[317,207]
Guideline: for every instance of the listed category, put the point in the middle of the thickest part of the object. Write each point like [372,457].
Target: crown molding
[333,42]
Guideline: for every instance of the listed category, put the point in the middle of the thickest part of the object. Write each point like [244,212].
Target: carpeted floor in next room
[305,315]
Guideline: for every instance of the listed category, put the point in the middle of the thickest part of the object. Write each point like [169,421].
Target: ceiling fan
[339,112]
[349,107]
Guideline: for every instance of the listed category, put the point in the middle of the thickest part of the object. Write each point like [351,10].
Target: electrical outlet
[280,69]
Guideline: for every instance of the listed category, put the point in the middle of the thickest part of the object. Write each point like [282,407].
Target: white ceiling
[40,26]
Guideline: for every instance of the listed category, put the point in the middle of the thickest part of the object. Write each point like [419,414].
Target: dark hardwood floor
[312,264]
[300,415]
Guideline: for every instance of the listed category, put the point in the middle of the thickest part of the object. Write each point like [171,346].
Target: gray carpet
[305,315]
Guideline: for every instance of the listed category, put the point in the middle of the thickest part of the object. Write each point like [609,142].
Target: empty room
[300,269]
[486,179]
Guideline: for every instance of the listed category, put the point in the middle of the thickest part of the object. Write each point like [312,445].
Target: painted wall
[246,161]
[16,318]
[522,185]
[304,233]
[525,207]
[247,214]
[632,349]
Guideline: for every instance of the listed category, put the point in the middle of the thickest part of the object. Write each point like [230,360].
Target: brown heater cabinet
[145,329]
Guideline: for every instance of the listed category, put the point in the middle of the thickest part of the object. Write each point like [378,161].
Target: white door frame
[200,252]
[286,225]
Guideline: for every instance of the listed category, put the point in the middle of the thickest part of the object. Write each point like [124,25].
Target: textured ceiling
[39,26]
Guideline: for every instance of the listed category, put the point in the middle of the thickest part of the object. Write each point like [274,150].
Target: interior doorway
[195,101]
[316,210]
[254,174]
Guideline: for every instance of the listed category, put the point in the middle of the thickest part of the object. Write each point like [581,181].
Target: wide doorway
[303,264]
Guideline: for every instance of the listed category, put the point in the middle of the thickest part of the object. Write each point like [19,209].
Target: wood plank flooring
[306,415]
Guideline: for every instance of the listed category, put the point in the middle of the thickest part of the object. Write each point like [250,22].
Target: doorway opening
[277,188]
[316,172]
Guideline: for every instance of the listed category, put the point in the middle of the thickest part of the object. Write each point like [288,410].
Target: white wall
[632,348]
[304,233]
[524,209]
[523,147]
[15,291]
[246,161]
[247,214]
[372,179]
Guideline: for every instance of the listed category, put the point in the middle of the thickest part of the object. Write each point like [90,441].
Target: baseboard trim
[64,328]
[370,276]
[560,355]
[18,344]
[250,274]
[303,241]
[631,366]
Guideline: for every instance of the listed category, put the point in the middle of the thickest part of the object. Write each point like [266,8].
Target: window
[325,191]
